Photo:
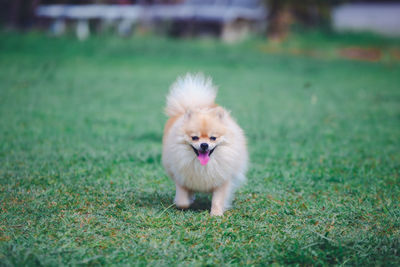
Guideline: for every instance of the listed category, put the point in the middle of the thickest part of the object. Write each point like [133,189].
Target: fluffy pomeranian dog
[204,149]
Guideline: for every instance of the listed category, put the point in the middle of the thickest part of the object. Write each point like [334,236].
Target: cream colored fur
[192,111]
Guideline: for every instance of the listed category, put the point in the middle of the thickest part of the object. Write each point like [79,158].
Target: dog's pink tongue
[204,158]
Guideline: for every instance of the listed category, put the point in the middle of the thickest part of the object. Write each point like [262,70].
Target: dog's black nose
[204,146]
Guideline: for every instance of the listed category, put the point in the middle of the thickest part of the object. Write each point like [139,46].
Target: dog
[204,149]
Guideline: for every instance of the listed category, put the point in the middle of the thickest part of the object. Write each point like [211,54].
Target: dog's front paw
[182,204]
[217,212]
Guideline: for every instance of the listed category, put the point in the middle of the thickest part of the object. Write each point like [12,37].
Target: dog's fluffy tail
[191,91]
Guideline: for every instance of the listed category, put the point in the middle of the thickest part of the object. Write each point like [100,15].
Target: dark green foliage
[80,147]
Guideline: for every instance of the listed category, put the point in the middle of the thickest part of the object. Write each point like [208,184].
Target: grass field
[80,146]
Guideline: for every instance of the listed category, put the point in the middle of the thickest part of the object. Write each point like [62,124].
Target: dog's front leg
[183,197]
[220,199]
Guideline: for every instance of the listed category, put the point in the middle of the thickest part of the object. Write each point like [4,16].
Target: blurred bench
[224,12]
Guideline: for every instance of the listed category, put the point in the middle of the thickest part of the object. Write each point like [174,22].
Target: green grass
[80,146]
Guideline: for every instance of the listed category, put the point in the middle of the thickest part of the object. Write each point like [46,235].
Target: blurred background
[229,20]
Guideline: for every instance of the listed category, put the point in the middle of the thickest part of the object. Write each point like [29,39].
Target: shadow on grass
[201,203]
[165,199]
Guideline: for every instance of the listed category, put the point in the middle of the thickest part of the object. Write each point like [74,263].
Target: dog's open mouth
[203,156]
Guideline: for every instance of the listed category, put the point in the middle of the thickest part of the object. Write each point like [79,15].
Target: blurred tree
[17,13]
[284,13]
[309,13]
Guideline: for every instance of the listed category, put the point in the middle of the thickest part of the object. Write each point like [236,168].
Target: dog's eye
[195,138]
[213,138]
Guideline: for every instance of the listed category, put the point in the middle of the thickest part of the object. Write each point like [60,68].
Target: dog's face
[204,131]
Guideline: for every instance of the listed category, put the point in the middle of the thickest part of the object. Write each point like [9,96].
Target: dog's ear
[188,114]
[220,112]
